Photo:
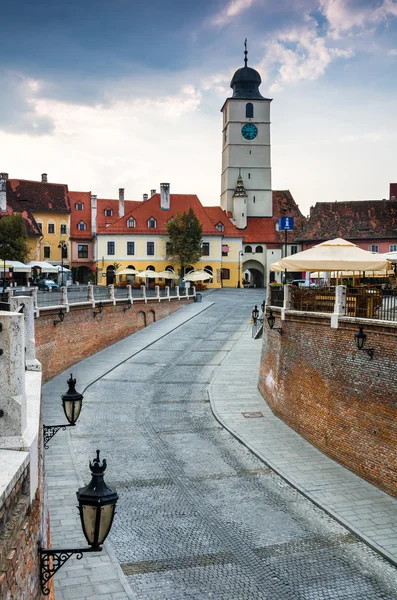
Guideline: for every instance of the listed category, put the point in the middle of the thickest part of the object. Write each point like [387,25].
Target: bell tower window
[249,110]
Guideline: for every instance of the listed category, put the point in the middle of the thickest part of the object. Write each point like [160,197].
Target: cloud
[343,16]
[392,52]
[301,54]
[233,9]
[18,106]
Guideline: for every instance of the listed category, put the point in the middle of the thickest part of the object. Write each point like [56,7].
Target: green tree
[185,237]
[13,238]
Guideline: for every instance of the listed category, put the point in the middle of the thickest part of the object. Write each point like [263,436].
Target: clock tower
[246,148]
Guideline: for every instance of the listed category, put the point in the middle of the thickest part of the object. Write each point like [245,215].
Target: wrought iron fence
[277,296]
[371,303]
[313,299]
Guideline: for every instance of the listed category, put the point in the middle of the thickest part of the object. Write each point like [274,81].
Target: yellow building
[46,211]
[137,237]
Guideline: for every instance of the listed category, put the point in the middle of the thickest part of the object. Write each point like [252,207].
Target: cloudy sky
[121,93]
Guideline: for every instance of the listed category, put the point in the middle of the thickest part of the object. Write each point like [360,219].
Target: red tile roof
[84,215]
[263,229]
[354,220]
[37,196]
[102,204]
[217,215]
[151,208]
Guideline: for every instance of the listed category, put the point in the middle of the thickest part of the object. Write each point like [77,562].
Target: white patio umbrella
[198,276]
[127,271]
[168,274]
[334,255]
[148,274]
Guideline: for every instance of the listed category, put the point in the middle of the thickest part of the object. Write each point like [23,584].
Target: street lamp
[97,504]
[361,338]
[240,254]
[255,313]
[271,319]
[71,402]
[63,247]
[4,246]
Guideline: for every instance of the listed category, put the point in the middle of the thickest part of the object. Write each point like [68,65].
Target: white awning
[16,266]
[45,267]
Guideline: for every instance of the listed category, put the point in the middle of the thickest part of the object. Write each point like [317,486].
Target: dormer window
[220,227]
[108,212]
[81,226]
[152,223]
[79,206]
[131,222]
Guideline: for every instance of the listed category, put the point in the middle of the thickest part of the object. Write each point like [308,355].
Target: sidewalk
[361,507]
[96,576]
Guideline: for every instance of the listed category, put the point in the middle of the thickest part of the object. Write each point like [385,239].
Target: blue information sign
[286,223]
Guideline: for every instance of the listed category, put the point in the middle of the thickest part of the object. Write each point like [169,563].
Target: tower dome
[246,81]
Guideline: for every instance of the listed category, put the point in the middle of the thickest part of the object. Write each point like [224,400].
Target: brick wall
[80,334]
[315,379]
[21,526]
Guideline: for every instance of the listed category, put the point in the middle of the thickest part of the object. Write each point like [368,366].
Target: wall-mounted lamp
[271,319]
[97,505]
[61,316]
[99,311]
[71,402]
[255,313]
[263,306]
[361,338]
[129,304]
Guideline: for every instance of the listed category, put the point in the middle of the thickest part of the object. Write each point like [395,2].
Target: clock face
[249,131]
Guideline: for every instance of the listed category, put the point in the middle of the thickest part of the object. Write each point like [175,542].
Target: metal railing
[276,296]
[313,299]
[371,303]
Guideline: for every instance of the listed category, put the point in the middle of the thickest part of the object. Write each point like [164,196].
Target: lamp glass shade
[71,402]
[360,339]
[271,320]
[255,313]
[96,522]
[97,505]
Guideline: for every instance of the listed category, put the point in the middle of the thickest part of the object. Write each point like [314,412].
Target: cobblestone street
[199,516]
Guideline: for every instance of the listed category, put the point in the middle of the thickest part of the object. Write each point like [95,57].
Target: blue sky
[112,94]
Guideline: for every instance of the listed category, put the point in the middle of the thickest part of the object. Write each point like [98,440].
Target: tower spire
[245,52]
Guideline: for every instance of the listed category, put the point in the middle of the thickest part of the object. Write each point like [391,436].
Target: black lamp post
[61,316]
[71,402]
[240,254]
[4,246]
[100,309]
[129,304]
[271,319]
[63,247]
[255,313]
[97,504]
[361,338]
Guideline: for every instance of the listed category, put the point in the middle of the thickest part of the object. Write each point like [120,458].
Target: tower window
[254,199]
[249,110]
[249,175]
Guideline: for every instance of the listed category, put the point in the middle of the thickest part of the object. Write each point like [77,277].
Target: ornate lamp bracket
[51,560]
[50,430]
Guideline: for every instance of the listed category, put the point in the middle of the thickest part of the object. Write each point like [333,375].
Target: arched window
[248,249]
[208,268]
[188,270]
[220,227]
[150,268]
[131,222]
[259,249]
[82,226]
[249,110]
[152,223]
[131,267]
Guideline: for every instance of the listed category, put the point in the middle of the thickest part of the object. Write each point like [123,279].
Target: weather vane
[245,52]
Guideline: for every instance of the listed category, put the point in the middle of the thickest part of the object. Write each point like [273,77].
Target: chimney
[93,214]
[44,178]
[145,197]
[3,191]
[152,192]
[165,196]
[121,202]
